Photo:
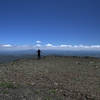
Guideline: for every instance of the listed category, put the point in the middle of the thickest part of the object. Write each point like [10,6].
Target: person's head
[38,50]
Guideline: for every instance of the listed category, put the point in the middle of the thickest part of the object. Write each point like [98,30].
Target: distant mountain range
[6,56]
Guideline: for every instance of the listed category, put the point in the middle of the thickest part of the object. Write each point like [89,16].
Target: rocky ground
[51,78]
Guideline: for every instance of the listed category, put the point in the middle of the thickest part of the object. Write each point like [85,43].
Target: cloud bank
[49,46]
[38,44]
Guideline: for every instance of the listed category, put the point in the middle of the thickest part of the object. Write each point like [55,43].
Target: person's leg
[38,56]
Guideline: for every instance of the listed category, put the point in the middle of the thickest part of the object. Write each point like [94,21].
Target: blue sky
[56,22]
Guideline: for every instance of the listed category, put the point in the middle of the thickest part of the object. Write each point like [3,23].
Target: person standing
[39,53]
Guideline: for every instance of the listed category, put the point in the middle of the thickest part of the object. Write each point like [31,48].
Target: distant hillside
[6,56]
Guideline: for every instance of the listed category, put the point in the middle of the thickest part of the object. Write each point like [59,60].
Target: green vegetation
[37,91]
[7,85]
[47,99]
[5,92]
[52,91]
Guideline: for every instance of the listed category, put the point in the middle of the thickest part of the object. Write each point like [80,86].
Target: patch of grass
[5,92]
[37,91]
[52,91]
[7,85]
[47,99]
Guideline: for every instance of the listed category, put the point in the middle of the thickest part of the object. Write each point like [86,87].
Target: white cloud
[72,47]
[7,45]
[49,45]
[38,45]
[38,41]
[63,45]
[95,46]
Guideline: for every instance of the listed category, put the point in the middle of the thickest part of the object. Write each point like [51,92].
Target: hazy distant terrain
[7,56]
[51,78]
